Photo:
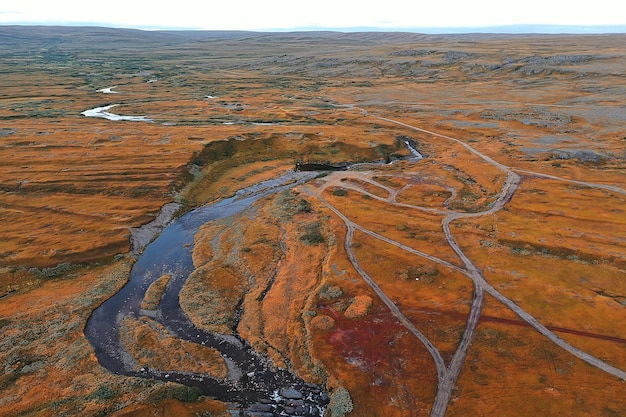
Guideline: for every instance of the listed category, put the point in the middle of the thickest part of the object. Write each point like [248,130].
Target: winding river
[103,112]
[252,381]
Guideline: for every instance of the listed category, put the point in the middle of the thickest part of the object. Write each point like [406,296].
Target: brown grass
[210,296]
[154,293]
[151,346]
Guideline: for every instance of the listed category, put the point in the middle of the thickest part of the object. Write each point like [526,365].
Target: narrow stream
[103,112]
[252,381]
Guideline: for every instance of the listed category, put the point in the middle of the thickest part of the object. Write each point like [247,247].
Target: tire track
[448,375]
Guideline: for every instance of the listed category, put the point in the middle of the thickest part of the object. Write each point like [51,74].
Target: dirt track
[448,374]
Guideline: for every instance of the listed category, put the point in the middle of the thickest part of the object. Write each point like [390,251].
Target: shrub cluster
[340,403]
[53,272]
[288,204]
[312,233]
[329,292]
[179,392]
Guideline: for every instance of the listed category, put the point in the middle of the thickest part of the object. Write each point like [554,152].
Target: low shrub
[340,403]
[179,392]
[54,271]
[312,233]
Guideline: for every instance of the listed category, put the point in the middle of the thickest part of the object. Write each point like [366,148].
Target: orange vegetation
[359,307]
[549,109]
[155,292]
[151,346]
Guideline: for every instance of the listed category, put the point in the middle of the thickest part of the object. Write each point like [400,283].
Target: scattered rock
[413,52]
[583,155]
[291,393]
[558,154]
[588,156]
[6,131]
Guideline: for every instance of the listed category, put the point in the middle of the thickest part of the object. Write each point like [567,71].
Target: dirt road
[447,374]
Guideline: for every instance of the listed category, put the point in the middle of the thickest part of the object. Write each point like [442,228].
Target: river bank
[253,382]
[141,236]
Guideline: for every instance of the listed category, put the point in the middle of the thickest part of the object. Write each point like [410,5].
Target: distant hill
[504,29]
[12,35]
[94,38]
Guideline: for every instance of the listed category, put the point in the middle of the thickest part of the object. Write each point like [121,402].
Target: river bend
[252,381]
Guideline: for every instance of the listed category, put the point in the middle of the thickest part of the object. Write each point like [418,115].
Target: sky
[268,15]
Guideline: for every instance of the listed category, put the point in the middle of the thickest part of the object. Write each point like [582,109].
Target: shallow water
[102,112]
[252,380]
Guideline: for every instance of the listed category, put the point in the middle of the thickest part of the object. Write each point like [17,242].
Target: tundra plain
[488,277]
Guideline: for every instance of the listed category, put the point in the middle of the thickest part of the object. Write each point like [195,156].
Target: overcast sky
[312,14]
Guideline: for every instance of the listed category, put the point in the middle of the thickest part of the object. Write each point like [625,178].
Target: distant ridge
[66,38]
[504,29]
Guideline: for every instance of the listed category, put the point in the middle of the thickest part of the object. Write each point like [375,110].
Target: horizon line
[434,30]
